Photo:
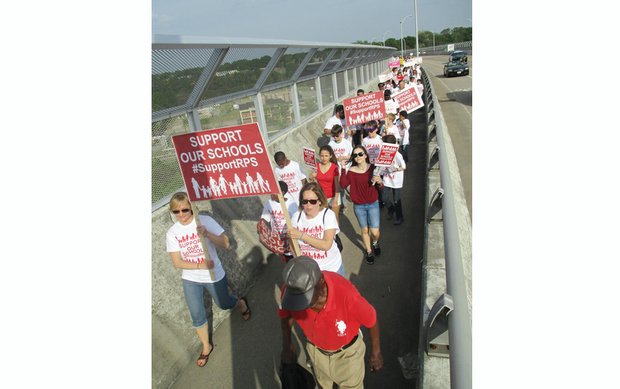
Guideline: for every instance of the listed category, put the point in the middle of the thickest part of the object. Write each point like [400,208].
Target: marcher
[361,179]
[315,226]
[391,106]
[330,311]
[338,118]
[372,143]
[273,214]
[357,131]
[289,172]
[390,127]
[393,177]
[403,128]
[342,150]
[183,245]
[327,171]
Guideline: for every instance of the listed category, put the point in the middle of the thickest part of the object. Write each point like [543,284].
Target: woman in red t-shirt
[361,180]
[326,176]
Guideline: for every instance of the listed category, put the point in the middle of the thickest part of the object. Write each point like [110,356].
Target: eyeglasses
[313,201]
[184,210]
[360,154]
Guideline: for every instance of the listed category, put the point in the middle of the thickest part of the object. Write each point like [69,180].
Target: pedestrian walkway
[247,354]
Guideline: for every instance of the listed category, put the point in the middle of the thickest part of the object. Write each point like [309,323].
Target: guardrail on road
[451,311]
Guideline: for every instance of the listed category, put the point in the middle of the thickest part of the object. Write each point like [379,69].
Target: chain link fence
[198,85]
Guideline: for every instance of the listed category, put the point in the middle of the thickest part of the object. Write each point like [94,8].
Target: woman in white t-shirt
[200,272]
[393,177]
[315,227]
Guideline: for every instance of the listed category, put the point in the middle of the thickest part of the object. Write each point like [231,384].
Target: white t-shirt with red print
[184,239]
[372,145]
[272,213]
[392,176]
[331,259]
[341,149]
[292,175]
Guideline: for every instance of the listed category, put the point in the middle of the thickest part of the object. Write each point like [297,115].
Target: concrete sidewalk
[247,354]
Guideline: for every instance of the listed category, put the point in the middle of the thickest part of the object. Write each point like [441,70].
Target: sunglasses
[360,154]
[313,201]
[184,210]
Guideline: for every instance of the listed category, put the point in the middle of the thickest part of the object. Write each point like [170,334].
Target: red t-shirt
[340,320]
[326,180]
[361,191]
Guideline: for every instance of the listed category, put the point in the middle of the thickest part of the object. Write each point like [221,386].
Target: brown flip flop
[204,357]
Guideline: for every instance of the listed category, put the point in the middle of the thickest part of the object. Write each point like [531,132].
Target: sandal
[247,314]
[204,357]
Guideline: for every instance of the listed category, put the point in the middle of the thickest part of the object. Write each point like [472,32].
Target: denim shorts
[194,298]
[367,214]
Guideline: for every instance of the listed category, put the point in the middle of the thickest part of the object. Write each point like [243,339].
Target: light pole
[415,11]
[383,40]
[433,43]
[401,35]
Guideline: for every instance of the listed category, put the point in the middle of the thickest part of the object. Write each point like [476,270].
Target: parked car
[457,56]
[455,69]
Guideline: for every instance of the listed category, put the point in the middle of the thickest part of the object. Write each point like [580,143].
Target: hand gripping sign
[225,163]
[362,109]
[274,242]
[310,158]
[386,156]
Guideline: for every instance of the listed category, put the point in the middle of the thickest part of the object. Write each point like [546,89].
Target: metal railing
[457,299]
[200,83]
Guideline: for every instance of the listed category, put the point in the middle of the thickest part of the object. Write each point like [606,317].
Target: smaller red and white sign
[394,63]
[362,109]
[409,99]
[310,158]
[386,156]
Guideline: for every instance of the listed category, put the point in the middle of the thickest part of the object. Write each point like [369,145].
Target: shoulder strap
[324,212]
[299,217]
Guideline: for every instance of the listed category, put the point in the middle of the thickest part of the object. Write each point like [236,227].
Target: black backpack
[336,237]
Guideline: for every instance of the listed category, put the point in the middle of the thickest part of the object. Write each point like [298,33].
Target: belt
[330,353]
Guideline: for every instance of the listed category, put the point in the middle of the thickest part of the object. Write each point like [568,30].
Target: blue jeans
[194,298]
[367,214]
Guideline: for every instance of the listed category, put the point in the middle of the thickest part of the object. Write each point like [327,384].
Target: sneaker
[369,258]
[376,248]
[397,222]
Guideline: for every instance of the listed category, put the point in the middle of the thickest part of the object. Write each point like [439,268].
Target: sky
[315,21]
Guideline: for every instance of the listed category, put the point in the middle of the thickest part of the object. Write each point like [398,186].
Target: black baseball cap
[301,275]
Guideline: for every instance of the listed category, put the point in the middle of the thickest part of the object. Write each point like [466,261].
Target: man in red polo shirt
[330,311]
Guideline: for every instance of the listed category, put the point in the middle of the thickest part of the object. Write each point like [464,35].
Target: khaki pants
[345,368]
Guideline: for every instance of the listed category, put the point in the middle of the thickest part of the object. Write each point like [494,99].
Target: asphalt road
[455,98]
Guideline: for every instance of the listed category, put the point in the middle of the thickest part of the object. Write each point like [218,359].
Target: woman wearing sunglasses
[361,179]
[315,226]
[183,245]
